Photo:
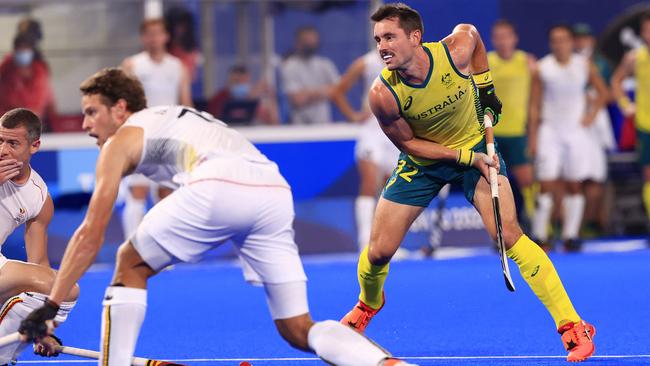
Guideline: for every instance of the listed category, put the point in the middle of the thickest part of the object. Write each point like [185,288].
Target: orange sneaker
[577,339]
[394,362]
[359,317]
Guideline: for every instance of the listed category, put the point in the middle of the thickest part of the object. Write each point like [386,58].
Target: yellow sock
[540,274]
[371,280]
[529,193]
[646,197]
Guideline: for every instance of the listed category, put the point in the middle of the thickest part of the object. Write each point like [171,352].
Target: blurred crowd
[555,135]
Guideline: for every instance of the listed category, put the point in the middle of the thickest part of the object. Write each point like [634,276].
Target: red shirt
[17,90]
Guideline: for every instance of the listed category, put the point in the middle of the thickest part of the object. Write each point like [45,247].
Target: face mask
[24,57]
[240,91]
[308,51]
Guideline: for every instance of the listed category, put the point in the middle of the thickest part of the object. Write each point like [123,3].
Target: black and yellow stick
[494,188]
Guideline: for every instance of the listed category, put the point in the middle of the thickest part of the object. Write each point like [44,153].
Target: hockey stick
[136,361]
[494,188]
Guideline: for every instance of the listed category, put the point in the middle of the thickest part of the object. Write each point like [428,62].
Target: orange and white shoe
[359,317]
[578,340]
[394,362]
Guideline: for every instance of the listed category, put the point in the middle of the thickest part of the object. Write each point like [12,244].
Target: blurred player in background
[166,82]
[25,200]
[374,153]
[512,70]
[228,191]
[603,135]
[432,114]
[567,151]
[637,63]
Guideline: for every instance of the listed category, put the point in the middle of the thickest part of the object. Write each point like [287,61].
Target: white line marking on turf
[283,359]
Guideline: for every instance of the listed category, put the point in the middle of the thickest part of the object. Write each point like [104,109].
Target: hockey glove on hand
[490,103]
[35,326]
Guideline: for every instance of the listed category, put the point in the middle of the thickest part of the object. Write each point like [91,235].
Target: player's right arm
[624,69]
[351,76]
[384,107]
[116,158]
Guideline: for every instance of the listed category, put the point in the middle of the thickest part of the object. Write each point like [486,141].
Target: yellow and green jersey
[443,109]
[512,83]
[642,95]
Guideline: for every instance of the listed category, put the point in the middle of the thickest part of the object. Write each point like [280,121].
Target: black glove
[34,326]
[490,103]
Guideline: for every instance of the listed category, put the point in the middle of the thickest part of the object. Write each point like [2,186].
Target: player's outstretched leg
[125,304]
[330,340]
[537,270]
[391,222]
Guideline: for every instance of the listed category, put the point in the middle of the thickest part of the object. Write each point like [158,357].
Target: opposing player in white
[228,191]
[565,144]
[24,199]
[374,153]
[166,82]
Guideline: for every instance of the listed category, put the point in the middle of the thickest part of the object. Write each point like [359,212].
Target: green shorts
[643,147]
[416,185]
[513,150]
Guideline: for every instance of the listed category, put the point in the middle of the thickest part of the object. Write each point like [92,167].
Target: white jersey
[20,203]
[182,145]
[161,80]
[373,67]
[564,101]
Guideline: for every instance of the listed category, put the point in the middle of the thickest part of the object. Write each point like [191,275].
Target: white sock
[574,209]
[542,216]
[132,215]
[14,311]
[339,345]
[364,209]
[123,314]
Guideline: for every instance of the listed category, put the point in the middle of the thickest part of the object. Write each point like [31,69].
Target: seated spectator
[25,79]
[309,80]
[182,42]
[241,102]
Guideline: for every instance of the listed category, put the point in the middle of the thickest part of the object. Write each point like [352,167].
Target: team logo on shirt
[20,217]
[408,103]
[446,80]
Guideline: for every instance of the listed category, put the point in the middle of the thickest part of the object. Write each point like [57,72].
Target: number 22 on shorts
[404,175]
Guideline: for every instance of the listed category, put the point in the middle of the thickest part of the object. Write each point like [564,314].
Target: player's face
[154,38]
[395,47]
[585,43]
[100,120]
[504,39]
[14,144]
[645,31]
[561,43]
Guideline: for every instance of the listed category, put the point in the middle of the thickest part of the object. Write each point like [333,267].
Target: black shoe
[572,245]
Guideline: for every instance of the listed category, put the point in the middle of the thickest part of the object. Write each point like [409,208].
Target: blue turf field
[444,312]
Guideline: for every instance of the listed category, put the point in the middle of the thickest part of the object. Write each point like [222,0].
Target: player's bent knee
[379,255]
[295,330]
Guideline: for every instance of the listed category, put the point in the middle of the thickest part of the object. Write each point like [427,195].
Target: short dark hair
[306,29]
[409,18]
[23,117]
[564,26]
[504,23]
[645,17]
[113,84]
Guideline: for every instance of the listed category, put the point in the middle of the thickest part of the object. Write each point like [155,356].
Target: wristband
[465,157]
[483,79]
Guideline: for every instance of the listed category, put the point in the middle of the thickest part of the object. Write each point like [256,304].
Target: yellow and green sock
[371,280]
[540,274]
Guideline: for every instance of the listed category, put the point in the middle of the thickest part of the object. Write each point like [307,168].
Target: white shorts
[564,154]
[202,215]
[372,144]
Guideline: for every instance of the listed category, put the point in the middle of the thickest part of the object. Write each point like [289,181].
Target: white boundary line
[283,359]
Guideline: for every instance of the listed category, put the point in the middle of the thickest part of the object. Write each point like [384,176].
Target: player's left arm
[597,82]
[185,88]
[36,234]
[468,53]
